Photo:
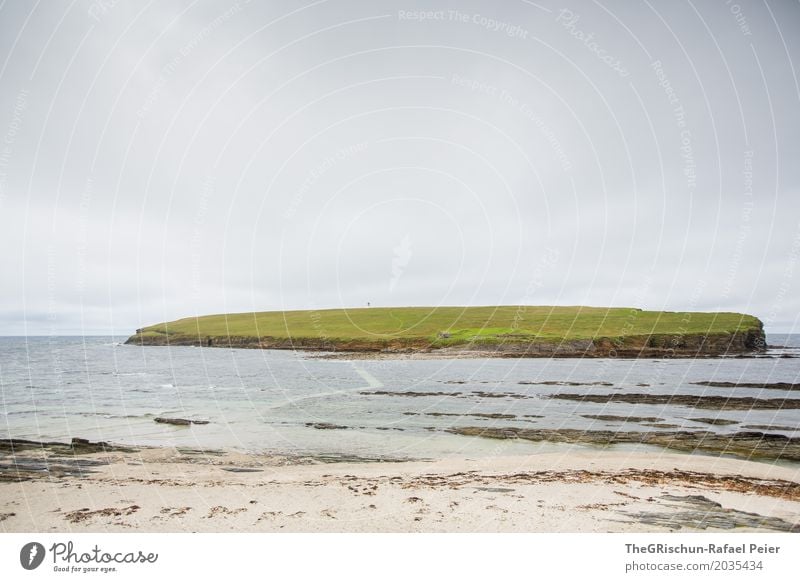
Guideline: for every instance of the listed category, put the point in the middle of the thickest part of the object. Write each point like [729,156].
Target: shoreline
[578,490]
[441,354]
[591,349]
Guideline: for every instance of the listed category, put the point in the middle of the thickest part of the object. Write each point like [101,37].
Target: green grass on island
[438,327]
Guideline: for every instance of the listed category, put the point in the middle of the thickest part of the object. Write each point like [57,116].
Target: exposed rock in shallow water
[699,512]
[76,446]
[474,393]
[714,421]
[51,460]
[345,458]
[563,383]
[769,427]
[766,386]
[410,393]
[742,444]
[613,418]
[190,452]
[26,468]
[482,394]
[79,445]
[459,414]
[492,415]
[179,421]
[708,402]
[325,425]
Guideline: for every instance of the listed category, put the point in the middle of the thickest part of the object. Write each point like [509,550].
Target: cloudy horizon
[164,160]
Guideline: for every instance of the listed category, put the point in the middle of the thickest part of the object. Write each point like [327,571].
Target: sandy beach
[580,490]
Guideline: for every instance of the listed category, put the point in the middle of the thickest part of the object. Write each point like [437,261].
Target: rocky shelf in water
[760,385]
[749,445]
[179,421]
[707,402]
[615,418]
[75,446]
[688,400]
[23,460]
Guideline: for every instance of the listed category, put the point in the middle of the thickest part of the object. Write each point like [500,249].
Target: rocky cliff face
[650,346]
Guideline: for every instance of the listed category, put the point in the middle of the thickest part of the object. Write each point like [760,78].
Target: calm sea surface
[95,388]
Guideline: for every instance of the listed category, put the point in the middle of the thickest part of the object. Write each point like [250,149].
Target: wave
[108,415]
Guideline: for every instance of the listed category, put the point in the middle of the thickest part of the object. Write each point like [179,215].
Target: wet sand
[580,490]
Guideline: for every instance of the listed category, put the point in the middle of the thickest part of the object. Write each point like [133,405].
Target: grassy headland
[515,331]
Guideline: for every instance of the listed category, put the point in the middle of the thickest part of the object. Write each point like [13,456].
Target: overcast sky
[165,159]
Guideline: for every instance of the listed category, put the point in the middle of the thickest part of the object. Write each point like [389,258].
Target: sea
[304,404]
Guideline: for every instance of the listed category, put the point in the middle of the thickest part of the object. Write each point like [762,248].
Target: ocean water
[57,388]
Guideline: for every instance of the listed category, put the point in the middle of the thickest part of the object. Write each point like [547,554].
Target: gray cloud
[163,160]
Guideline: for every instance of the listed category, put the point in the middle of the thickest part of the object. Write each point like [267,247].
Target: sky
[160,160]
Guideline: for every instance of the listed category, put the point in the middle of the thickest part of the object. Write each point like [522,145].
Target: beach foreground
[581,490]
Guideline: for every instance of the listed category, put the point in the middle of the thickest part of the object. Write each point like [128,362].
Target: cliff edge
[504,331]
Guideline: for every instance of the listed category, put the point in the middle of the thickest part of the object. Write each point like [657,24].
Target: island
[499,331]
